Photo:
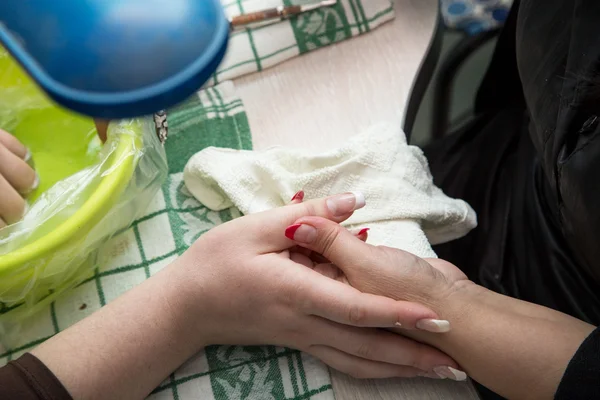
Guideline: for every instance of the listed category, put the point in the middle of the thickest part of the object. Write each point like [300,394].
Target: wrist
[185,300]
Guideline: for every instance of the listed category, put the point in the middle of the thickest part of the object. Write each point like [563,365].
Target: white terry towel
[404,208]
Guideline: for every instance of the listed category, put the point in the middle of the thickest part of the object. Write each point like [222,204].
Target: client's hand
[375,269]
[502,342]
[254,292]
[17,179]
[239,284]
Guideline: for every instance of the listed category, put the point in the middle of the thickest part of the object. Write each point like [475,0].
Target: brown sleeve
[27,378]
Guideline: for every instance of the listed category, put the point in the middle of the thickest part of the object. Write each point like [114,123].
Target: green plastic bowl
[62,144]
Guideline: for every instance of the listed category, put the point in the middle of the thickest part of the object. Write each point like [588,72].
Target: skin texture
[211,294]
[518,349]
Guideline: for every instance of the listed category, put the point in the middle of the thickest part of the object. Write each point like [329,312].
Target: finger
[301,259]
[329,239]
[344,304]
[12,205]
[13,145]
[297,198]
[330,271]
[271,223]
[362,234]
[2,223]
[361,368]
[17,172]
[382,346]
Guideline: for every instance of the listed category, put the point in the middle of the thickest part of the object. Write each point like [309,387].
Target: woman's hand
[17,179]
[517,349]
[376,269]
[239,285]
[254,292]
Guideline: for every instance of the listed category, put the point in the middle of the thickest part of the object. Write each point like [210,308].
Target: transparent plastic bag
[55,246]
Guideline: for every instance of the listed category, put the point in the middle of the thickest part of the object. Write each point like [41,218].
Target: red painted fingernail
[298,196]
[290,232]
[364,231]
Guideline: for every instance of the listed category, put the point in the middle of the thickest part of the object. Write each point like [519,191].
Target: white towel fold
[404,208]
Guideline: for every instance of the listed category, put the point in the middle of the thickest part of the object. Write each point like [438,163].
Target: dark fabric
[27,378]
[581,378]
[530,163]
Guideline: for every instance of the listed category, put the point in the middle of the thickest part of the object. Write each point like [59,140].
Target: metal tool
[275,14]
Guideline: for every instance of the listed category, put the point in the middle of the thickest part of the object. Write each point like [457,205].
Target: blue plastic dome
[116,58]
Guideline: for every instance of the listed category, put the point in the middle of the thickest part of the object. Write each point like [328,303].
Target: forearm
[127,348]
[518,349]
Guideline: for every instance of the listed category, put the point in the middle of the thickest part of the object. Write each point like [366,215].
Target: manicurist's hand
[17,178]
[517,349]
[244,283]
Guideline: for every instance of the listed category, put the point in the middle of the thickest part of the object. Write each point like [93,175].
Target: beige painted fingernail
[434,325]
[36,182]
[25,209]
[450,373]
[431,375]
[346,203]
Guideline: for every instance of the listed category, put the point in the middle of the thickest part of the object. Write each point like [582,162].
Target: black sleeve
[27,378]
[582,377]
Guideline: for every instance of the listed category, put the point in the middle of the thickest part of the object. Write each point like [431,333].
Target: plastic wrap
[55,246]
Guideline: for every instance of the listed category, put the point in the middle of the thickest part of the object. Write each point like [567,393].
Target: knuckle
[327,240]
[417,357]
[357,315]
[309,209]
[365,350]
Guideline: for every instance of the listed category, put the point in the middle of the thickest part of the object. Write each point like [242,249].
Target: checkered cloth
[175,219]
[256,49]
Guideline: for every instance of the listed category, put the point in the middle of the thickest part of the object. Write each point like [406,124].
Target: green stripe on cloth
[174,220]
[259,48]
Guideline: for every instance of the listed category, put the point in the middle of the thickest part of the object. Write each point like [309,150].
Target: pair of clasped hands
[290,277]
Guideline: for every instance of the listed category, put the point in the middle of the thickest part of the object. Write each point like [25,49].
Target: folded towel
[404,208]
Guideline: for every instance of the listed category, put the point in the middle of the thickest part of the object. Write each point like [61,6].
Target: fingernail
[434,325]
[298,196]
[346,203]
[34,185]
[36,182]
[25,209]
[363,231]
[398,325]
[27,157]
[450,373]
[301,233]
[431,375]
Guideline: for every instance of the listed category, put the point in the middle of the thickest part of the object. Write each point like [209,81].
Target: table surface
[318,100]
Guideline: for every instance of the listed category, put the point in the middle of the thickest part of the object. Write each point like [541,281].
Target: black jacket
[530,165]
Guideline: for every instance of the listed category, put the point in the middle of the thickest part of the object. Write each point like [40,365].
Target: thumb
[331,240]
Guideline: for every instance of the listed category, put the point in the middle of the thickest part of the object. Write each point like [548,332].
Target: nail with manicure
[345,203]
[301,233]
[298,196]
[434,325]
[450,373]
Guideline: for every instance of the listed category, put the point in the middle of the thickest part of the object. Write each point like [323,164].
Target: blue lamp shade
[116,59]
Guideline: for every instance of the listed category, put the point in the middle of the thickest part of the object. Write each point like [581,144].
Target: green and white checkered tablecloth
[175,219]
[257,49]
